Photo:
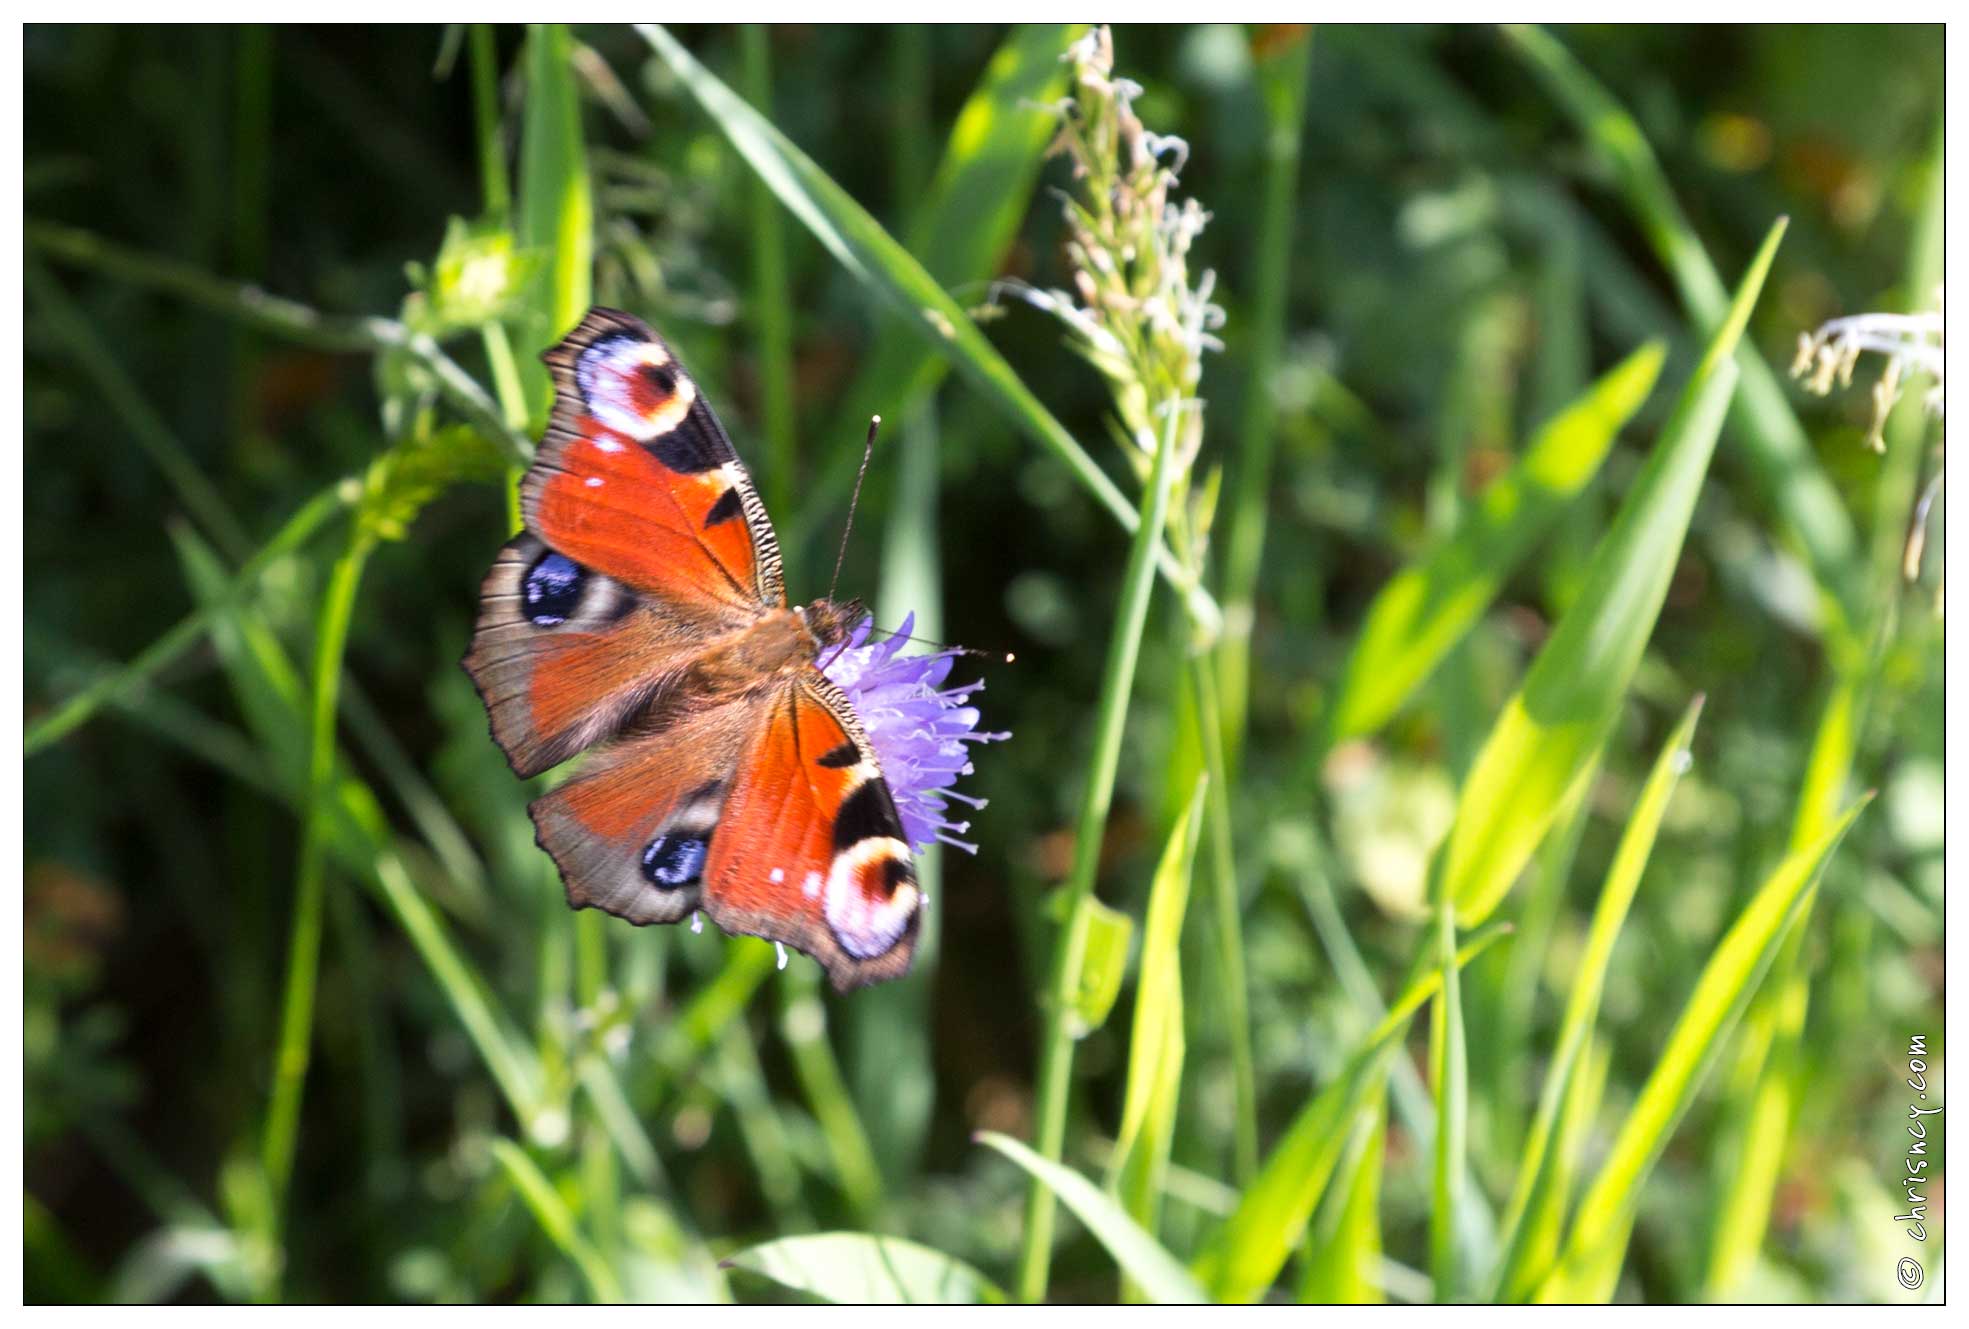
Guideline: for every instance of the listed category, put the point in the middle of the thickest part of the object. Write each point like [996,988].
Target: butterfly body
[640,618]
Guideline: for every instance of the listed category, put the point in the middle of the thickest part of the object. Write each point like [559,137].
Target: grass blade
[872,256]
[969,214]
[1250,1249]
[772,302]
[1788,467]
[1537,1202]
[1155,1044]
[1420,615]
[75,711]
[556,213]
[865,1269]
[1154,1270]
[1573,691]
[551,1212]
[1450,1067]
[1597,1244]
[1346,1241]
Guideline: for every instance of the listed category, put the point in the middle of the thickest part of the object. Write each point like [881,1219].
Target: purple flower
[921,730]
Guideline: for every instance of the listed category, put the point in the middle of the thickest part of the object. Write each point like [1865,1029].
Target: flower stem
[1118,681]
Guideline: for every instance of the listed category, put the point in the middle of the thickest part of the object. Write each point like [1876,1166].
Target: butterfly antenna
[1003,657]
[868,450]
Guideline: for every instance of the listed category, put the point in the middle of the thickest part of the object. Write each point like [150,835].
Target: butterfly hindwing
[632,833]
[809,849]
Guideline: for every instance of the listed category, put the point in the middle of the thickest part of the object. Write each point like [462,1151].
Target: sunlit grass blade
[1411,1101]
[1246,1254]
[549,1210]
[1595,1249]
[770,312]
[960,230]
[874,259]
[1427,607]
[1342,1266]
[1788,467]
[1525,959]
[1537,1201]
[1152,1269]
[866,1269]
[1155,1044]
[556,215]
[1573,690]
[1450,1072]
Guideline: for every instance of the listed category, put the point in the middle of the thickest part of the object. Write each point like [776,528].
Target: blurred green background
[1458,262]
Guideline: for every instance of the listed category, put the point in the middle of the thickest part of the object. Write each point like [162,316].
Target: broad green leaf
[865,1269]
[1103,963]
[1346,1238]
[1155,1044]
[1537,1201]
[1252,1246]
[556,222]
[1597,1244]
[878,263]
[1573,691]
[1788,467]
[1154,1270]
[1420,615]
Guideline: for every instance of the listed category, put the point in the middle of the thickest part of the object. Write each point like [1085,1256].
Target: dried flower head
[1911,343]
[1133,311]
[922,730]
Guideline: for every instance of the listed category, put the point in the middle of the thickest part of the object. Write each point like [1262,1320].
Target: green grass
[1351,656]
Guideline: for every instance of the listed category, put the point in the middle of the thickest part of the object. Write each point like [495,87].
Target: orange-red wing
[809,850]
[636,479]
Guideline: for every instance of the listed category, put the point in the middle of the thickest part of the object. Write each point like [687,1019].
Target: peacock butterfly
[640,617]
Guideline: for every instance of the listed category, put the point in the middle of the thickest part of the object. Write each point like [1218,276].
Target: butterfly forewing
[810,840]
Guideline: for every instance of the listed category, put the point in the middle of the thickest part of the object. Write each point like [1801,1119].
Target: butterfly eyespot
[674,860]
[662,379]
[552,589]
